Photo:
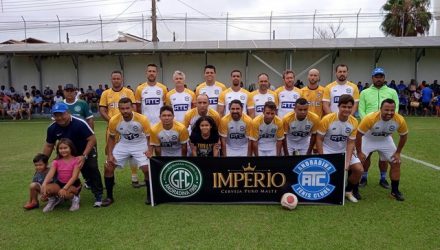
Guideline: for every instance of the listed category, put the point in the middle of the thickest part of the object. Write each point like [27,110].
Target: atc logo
[180,179]
[314,179]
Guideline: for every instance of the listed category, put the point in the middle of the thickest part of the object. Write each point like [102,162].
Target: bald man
[313,92]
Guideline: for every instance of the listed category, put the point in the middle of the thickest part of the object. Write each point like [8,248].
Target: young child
[67,186]
[40,163]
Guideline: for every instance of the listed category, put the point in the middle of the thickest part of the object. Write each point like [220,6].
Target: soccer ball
[289,201]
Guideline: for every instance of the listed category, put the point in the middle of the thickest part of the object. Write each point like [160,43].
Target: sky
[206,20]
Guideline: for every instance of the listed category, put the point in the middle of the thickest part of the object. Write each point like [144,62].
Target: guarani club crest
[314,178]
[180,179]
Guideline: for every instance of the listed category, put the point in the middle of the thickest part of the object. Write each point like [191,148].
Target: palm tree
[406,17]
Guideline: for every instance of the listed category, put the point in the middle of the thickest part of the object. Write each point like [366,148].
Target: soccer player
[300,127]
[337,134]
[169,137]
[235,92]
[235,130]
[180,98]
[210,87]
[263,94]
[375,134]
[133,130]
[370,101]
[334,90]
[287,94]
[202,109]
[150,96]
[108,107]
[267,132]
[314,92]
[77,107]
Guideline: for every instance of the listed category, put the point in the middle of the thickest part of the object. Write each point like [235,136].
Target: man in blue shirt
[427,95]
[401,86]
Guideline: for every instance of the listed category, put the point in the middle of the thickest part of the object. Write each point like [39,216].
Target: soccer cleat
[363,182]
[31,205]
[75,203]
[97,204]
[107,202]
[87,185]
[384,183]
[350,197]
[51,204]
[398,196]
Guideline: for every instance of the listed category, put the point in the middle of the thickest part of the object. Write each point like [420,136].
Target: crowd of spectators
[415,99]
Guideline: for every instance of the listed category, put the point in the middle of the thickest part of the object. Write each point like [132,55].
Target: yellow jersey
[151,99]
[170,141]
[375,128]
[314,98]
[110,99]
[131,132]
[236,134]
[180,101]
[298,132]
[193,115]
[266,134]
[334,90]
[213,92]
[287,99]
[336,132]
[259,100]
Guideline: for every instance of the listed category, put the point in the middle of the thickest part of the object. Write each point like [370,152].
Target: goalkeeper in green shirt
[369,102]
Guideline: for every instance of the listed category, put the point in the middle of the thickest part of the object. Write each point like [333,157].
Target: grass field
[376,222]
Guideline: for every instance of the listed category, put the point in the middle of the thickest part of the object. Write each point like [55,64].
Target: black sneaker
[137,184]
[357,195]
[107,202]
[384,183]
[363,182]
[398,196]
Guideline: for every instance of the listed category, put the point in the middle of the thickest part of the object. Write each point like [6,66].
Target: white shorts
[272,152]
[297,151]
[385,148]
[123,152]
[354,158]
[236,151]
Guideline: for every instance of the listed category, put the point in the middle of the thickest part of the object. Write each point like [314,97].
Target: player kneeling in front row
[374,134]
[337,134]
[134,131]
[267,132]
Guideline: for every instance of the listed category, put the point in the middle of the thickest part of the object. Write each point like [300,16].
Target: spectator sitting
[5,91]
[4,103]
[90,90]
[93,101]
[13,92]
[401,86]
[403,102]
[367,85]
[106,86]
[37,102]
[26,106]
[34,91]
[99,91]
[360,87]
[60,91]
[24,91]
[14,109]
[58,98]
[47,98]
[393,85]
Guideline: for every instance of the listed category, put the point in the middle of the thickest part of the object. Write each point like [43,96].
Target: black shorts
[77,183]
[425,105]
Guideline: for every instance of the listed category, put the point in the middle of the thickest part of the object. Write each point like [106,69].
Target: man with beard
[150,96]
[235,92]
[263,94]
[370,101]
[287,94]
[180,98]
[337,134]
[267,132]
[375,134]
[313,92]
[134,131]
[333,91]
[235,130]
[210,87]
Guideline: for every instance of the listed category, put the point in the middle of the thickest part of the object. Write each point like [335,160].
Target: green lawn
[376,222]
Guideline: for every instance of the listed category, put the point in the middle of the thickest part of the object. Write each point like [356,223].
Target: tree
[406,17]
[333,32]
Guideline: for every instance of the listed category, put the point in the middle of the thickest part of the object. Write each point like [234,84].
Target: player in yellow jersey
[210,87]
[169,137]
[375,134]
[333,91]
[337,134]
[133,130]
[313,92]
[287,94]
[267,132]
[235,131]
[235,92]
[180,98]
[202,109]
[300,127]
[263,94]
[150,96]
[108,107]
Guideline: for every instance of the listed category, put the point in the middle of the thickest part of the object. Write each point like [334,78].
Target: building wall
[399,64]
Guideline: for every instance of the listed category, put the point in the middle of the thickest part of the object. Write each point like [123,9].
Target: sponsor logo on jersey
[158,92]
[77,108]
[347,130]
[267,135]
[336,99]
[236,136]
[152,101]
[300,134]
[180,179]
[259,108]
[180,107]
[338,138]
[213,100]
[392,128]
[384,134]
[287,105]
[187,98]
[314,178]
